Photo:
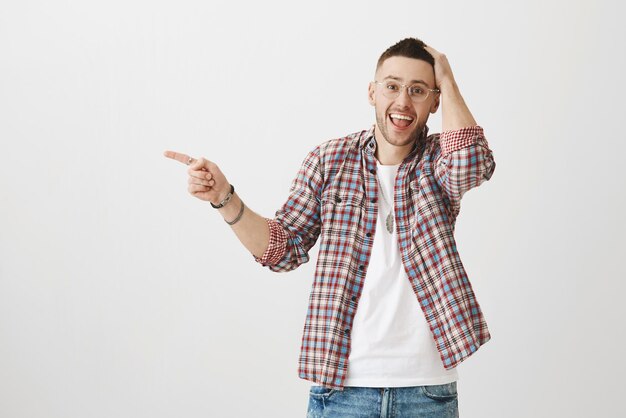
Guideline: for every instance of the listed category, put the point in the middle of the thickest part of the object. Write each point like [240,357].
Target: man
[391,311]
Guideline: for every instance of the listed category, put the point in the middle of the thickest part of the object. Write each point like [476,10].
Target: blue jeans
[432,401]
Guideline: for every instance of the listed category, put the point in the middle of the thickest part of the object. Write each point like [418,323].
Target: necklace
[389,218]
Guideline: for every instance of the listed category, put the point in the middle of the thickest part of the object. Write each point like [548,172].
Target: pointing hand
[206,180]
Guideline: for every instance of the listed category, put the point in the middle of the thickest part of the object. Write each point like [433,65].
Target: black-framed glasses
[417,92]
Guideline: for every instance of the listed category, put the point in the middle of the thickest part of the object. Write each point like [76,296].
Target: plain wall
[123,296]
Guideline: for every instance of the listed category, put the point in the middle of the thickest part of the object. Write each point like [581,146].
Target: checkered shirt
[333,197]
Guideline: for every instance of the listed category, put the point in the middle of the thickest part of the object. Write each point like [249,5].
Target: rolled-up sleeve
[464,162]
[277,243]
[296,226]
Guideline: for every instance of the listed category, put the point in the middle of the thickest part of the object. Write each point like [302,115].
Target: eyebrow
[410,82]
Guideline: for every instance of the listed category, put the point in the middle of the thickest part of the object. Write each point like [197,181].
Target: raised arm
[464,160]
[454,114]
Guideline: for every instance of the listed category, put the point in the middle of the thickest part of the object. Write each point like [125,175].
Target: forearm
[251,229]
[455,113]
[465,161]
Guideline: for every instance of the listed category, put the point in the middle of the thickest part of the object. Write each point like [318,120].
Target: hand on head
[443,72]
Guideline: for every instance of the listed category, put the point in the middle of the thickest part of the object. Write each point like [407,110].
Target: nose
[403,98]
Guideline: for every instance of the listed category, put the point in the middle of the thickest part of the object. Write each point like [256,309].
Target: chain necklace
[389,218]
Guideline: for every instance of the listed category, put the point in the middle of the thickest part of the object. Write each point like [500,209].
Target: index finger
[183,158]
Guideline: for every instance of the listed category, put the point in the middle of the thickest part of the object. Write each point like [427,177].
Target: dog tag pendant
[389,222]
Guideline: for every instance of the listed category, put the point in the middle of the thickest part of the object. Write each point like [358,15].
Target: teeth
[396,116]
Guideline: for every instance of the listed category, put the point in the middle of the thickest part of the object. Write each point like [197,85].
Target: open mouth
[400,121]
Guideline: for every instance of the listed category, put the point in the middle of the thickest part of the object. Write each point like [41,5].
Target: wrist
[224,197]
[449,86]
[231,210]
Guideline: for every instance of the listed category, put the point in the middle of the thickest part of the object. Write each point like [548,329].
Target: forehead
[406,70]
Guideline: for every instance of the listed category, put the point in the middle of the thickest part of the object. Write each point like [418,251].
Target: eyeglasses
[417,93]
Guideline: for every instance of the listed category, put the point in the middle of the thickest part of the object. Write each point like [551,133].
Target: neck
[389,154]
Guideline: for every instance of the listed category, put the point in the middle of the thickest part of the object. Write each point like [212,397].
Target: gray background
[123,296]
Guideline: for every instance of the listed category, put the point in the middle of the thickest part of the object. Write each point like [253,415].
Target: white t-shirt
[391,342]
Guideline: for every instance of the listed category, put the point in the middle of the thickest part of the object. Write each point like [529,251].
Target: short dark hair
[410,48]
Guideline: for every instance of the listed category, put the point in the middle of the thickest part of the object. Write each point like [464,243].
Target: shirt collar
[368,142]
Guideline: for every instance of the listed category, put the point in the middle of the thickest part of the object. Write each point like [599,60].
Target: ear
[435,104]
[371,93]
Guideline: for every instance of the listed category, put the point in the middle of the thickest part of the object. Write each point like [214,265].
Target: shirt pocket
[341,210]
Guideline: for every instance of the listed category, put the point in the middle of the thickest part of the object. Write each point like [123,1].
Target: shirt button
[374,200]
[347,331]
[361,267]
[353,298]
[369,234]
[373,171]
[338,199]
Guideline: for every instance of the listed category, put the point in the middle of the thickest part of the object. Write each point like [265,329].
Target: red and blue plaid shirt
[333,197]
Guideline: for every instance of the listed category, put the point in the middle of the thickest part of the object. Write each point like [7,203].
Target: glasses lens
[418,93]
[391,89]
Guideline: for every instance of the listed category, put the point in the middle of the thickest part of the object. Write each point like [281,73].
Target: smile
[400,121]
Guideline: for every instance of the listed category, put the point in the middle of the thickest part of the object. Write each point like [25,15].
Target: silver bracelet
[239,215]
[226,199]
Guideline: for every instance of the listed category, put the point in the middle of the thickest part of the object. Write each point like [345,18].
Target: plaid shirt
[334,196]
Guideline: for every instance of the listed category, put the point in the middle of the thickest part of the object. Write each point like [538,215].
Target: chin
[400,139]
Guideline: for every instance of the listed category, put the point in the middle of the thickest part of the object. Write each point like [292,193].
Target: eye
[417,91]
[392,86]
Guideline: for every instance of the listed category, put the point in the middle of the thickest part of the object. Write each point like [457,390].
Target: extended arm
[281,243]
[208,183]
